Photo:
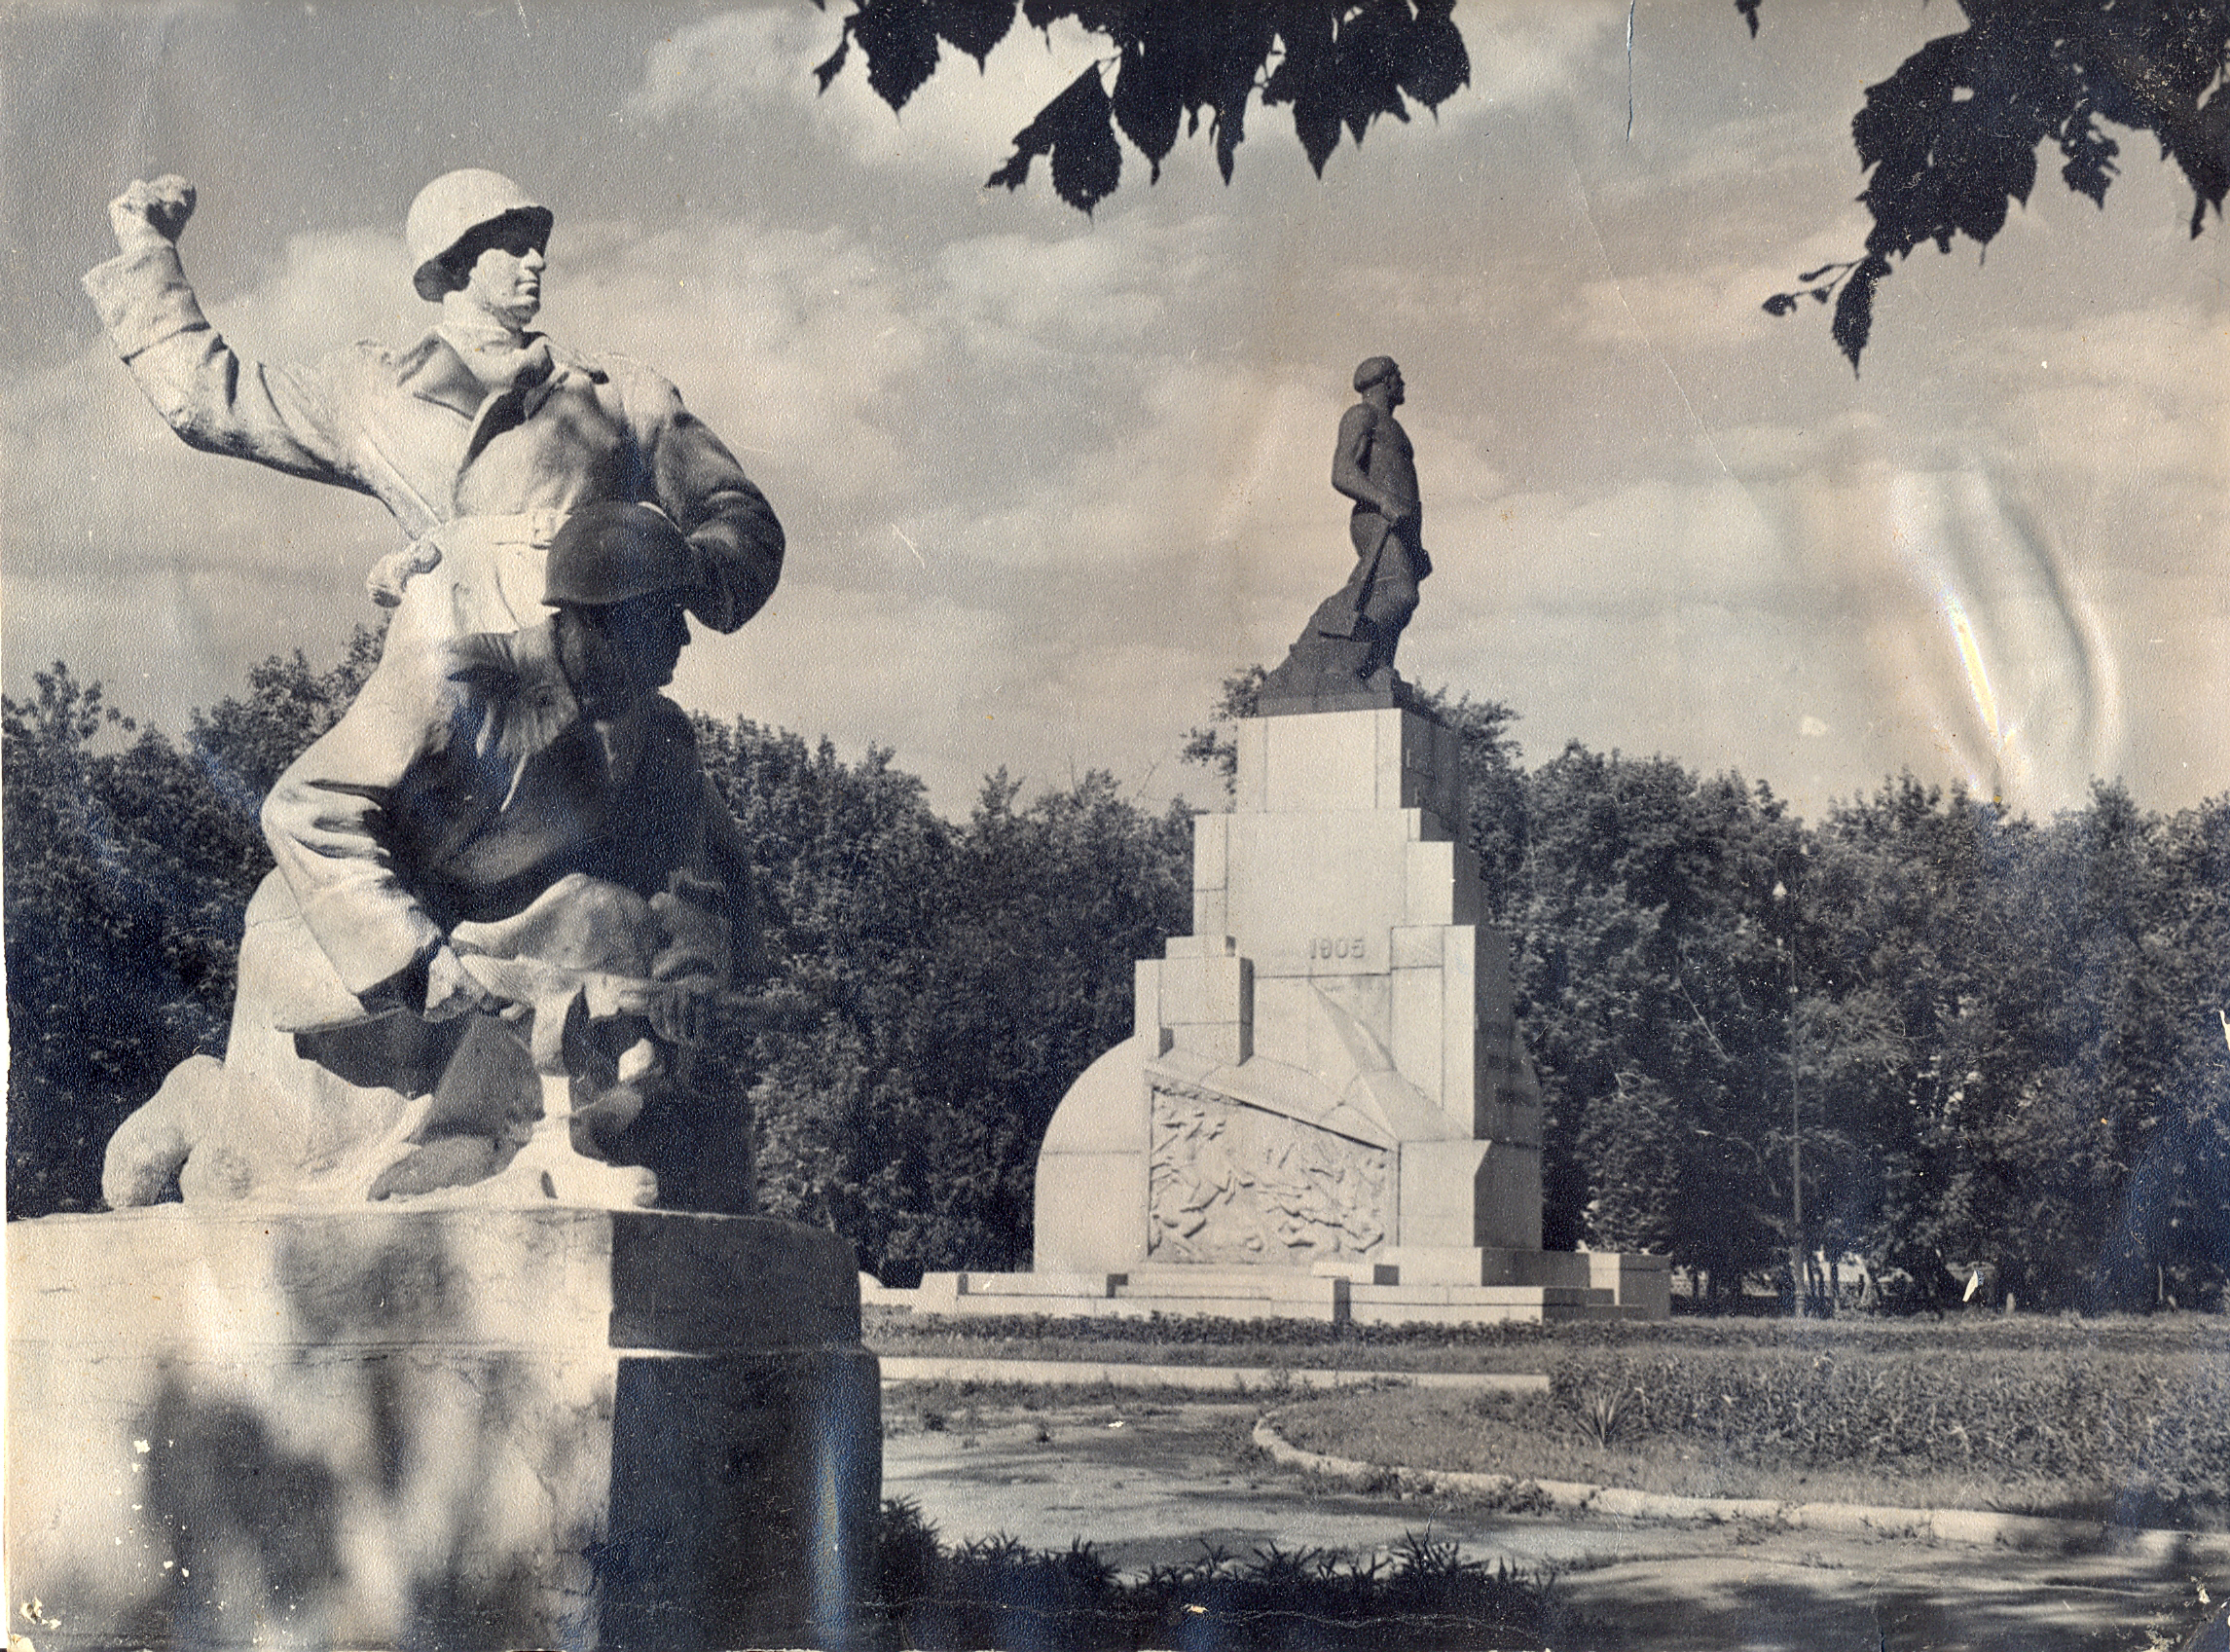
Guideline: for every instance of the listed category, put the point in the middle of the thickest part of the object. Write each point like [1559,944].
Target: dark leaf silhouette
[1338,65]
[1780,303]
[973,26]
[1749,11]
[1148,105]
[1854,309]
[1308,80]
[1075,132]
[899,38]
[1434,64]
[1950,139]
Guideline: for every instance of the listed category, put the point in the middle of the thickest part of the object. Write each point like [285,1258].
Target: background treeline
[2002,1037]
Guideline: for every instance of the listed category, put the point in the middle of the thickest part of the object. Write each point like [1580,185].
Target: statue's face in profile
[625,653]
[506,277]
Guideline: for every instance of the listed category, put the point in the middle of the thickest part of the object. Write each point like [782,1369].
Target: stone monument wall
[1326,1075]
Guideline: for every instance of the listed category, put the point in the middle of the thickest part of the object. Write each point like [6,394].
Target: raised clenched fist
[151,215]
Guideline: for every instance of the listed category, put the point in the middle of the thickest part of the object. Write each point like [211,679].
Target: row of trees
[1998,1040]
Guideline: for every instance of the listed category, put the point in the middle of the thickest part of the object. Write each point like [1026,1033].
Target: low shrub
[996,1593]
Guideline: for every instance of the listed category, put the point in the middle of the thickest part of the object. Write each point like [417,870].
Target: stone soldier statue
[480,437]
[508,817]
[1348,645]
[484,439]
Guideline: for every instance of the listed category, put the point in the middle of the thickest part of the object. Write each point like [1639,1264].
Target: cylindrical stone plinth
[437,1428]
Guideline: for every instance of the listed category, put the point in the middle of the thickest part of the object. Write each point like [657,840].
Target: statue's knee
[148,1155]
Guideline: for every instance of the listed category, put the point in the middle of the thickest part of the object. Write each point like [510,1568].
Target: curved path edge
[1945,1526]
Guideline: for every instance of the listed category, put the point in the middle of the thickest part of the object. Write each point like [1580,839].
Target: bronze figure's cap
[452,208]
[1372,370]
[607,553]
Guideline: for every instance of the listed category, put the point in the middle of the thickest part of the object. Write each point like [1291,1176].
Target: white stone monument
[1325,1109]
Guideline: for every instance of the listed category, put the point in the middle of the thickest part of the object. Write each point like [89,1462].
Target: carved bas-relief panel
[1228,1183]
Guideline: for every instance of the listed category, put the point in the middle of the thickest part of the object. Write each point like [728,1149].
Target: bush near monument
[2004,1035]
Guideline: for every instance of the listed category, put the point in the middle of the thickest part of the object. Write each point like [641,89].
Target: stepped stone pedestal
[436,1428]
[1325,1109]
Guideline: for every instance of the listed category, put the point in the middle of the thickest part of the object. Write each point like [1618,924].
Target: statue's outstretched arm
[214,398]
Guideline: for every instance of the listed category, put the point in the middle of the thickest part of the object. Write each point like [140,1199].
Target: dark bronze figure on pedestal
[1345,654]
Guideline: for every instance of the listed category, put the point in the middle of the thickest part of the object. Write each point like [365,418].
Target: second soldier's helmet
[610,552]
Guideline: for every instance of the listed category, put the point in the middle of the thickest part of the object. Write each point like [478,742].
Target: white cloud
[746,67]
[1527,54]
[1713,305]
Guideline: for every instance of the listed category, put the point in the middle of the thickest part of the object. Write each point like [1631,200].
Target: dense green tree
[933,990]
[1650,970]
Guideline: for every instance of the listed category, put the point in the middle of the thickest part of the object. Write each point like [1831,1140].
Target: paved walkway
[1151,1483]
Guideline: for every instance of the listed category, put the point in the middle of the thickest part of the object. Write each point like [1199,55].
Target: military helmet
[608,553]
[452,208]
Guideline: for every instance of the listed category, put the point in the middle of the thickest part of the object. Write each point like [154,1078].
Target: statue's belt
[460,534]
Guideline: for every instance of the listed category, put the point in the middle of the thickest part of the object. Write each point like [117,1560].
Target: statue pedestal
[472,1428]
[1325,1109]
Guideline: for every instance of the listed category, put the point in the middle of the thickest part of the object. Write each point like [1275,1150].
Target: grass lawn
[1436,1430]
[2122,1419]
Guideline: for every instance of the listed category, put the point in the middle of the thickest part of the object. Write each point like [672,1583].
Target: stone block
[1316,763]
[1443,885]
[1358,1272]
[1456,1265]
[1284,1005]
[1316,894]
[1250,791]
[1089,1206]
[1416,1006]
[1503,1121]
[554,1427]
[1416,946]
[1508,1197]
[1439,1192]
[1211,846]
[1641,1284]
[1147,1025]
[1085,1285]
[1205,988]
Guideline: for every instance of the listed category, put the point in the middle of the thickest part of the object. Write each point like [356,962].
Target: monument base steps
[437,1428]
[1451,1286]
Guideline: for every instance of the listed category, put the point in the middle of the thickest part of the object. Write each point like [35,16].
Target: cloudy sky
[1047,480]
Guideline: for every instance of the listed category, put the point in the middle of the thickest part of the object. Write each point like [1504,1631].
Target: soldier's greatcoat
[478,466]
